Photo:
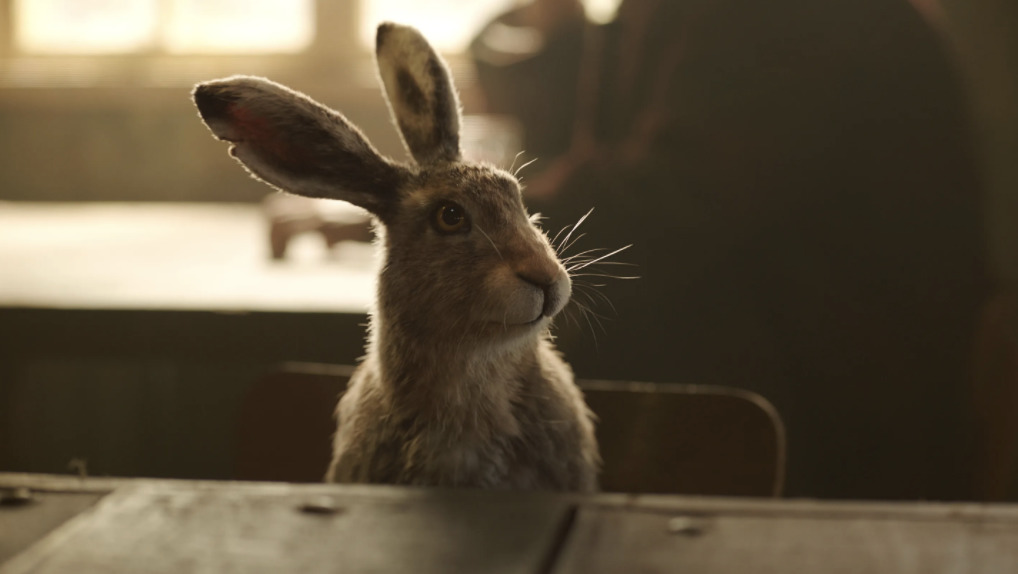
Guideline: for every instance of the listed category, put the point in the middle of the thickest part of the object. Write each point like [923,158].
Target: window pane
[84,26]
[449,25]
[239,26]
[601,11]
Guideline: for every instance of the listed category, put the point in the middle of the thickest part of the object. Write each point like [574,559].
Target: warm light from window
[93,26]
[239,26]
[601,11]
[174,26]
[449,25]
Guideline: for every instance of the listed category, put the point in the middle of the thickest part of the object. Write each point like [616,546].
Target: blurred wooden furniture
[176,281]
[288,216]
[172,256]
[654,438]
[995,394]
[116,317]
[687,439]
[157,526]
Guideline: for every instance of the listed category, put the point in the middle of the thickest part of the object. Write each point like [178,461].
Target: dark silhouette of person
[798,183]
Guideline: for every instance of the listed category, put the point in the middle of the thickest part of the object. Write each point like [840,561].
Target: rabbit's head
[463,260]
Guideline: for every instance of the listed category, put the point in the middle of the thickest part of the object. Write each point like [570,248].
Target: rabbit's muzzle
[526,289]
[546,279]
[554,291]
[534,299]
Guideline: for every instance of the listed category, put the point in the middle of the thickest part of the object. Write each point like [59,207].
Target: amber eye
[450,218]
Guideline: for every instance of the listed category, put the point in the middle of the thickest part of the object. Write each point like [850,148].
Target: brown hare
[461,385]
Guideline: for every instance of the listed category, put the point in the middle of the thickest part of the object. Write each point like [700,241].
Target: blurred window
[171,26]
[451,24]
[238,26]
[601,11]
[448,24]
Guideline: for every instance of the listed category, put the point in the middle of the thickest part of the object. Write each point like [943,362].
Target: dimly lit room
[534,286]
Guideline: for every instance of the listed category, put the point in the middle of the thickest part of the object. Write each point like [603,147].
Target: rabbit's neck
[421,371]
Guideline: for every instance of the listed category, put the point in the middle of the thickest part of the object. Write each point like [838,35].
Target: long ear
[420,93]
[293,143]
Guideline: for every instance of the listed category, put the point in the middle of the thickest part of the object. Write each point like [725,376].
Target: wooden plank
[810,538]
[235,527]
[64,482]
[188,526]
[666,504]
[811,508]
[24,524]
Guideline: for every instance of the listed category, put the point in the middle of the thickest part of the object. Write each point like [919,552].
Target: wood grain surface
[727,537]
[23,524]
[179,527]
[158,526]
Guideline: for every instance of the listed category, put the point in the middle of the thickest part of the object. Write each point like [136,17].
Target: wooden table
[137,525]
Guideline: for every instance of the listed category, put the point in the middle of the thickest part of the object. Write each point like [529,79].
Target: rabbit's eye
[450,218]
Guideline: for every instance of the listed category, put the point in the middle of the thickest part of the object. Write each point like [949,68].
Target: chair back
[687,439]
[654,438]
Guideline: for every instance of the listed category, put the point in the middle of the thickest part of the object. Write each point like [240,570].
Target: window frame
[337,49]
[344,42]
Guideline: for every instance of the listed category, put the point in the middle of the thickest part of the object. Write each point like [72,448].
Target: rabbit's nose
[537,277]
[554,286]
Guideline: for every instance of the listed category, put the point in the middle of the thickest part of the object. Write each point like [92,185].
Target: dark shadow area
[800,185]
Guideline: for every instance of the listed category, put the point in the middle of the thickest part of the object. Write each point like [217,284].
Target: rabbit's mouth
[519,319]
[541,318]
[518,324]
[512,331]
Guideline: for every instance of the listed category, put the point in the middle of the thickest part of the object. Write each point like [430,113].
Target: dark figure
[528,61]
[798,183]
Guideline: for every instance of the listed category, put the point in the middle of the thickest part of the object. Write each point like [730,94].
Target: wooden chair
[654,438]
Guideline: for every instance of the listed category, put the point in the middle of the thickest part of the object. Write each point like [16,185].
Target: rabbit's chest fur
[522,427]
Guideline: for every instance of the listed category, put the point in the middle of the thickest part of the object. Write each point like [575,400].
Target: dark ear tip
[384,29]
[212,101]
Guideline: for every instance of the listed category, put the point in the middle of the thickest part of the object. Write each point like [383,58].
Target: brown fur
[461,385]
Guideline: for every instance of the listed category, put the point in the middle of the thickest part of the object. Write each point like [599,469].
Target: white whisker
[566,246]
[591,292]
[587,313]
[518,154]
[555,239]
[491,242]
[605,275]
[581,268]
[583,253]
[565,242]
[589,263]
[522,167]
